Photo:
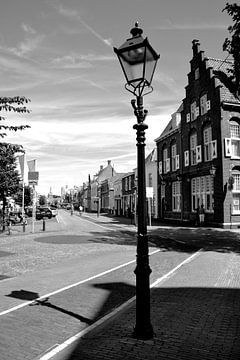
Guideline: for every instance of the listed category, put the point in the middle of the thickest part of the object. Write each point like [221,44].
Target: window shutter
[208,105]
[188,118]
[186,158]
[214,149]
[198,153]
[177,162]
[160,167]
[228,151]
[196,112]
[167,165]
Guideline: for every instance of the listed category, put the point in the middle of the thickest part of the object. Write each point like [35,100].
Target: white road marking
[76,337]
[101,226]
[71,286]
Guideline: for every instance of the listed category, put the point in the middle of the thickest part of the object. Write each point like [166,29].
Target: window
[193,145]
[235,139]
[207,140]
[176,196]
[203,104]
[193,111]
[165,156]
[150,182]
[174,153]
[236,193]
[197,74]
[202,193]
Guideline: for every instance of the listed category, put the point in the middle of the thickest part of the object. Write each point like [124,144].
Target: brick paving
[195,312]
[195,315]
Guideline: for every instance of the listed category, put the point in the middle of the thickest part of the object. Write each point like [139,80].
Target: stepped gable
[221,74]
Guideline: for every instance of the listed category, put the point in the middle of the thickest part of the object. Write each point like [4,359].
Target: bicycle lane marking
[60,347]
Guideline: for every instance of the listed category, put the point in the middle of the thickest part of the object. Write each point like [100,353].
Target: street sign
[149,192]
[33,177]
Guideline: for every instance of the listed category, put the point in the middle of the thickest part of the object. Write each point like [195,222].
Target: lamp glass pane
[133,71]
[149,66]
[134,56]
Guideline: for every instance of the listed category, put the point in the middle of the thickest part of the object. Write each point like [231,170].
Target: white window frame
[177,161]
[160,167]
[173,155]
[203,104]
[176,196]
[165,156]
[186,158]
[235,140]
[236,193]
[202,191]
[207,141]
[193,151]
[193,110]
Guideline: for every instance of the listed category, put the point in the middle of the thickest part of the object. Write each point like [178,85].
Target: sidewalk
[195,314]
[18,229]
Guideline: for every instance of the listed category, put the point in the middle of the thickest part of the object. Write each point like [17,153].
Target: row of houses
[116,193]
[196,162]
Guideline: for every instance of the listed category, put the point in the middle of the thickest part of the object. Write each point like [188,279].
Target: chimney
[109,162]
[101,167]
[195,47]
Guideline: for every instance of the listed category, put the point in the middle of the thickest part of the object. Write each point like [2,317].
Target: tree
[42,200]
[9,177]
[27,196]
[15,104]
[232,46]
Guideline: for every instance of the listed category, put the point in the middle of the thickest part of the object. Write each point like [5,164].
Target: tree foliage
[9,176]
[232,46]
[15,104]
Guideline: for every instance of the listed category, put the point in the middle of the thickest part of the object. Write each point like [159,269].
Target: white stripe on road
[76,337]
[71,286]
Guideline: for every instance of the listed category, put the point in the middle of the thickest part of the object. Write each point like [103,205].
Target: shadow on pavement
[178,239]
[189,323]
[23,294]
[47,303]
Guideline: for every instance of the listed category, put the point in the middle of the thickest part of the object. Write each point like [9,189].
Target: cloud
[28,45]
[31,42]
[168,25]
[28,29]
[76,61]
[73,14]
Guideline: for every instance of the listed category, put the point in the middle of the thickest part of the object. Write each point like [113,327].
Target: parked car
[42,212]
[53,210]
[14,218]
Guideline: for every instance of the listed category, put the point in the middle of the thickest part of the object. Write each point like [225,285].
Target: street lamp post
[138,61]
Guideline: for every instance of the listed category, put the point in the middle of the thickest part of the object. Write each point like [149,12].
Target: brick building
[199,151]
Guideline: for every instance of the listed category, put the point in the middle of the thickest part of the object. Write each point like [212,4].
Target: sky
[59,53]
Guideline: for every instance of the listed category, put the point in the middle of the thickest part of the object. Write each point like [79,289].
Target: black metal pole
[143,328]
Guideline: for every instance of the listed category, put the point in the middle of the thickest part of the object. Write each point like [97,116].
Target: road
[79,271]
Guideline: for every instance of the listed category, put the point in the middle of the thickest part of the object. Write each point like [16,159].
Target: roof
[221,73]
[173,124]
[152,156]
